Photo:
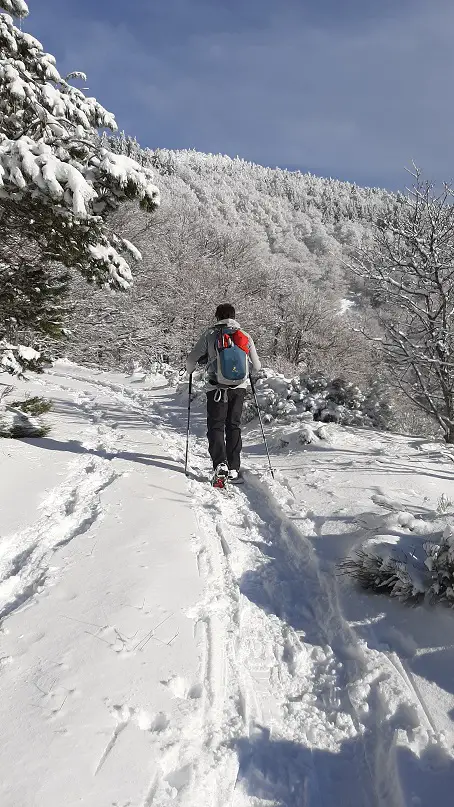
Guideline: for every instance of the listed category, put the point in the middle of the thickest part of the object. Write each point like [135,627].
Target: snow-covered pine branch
[58,181]
[14,359]
[76,74]
[15,7]
[424,574]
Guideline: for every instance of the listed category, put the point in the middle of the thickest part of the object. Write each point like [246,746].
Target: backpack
[232,349]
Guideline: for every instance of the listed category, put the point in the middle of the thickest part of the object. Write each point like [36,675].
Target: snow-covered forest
[294,252]
[164,643]
[275,242]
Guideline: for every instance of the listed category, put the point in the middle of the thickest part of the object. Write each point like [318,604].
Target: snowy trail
[244,674]
[244,644]
[303,687]
[333,741]
[359,697]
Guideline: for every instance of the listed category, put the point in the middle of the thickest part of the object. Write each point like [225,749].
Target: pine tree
[58,183]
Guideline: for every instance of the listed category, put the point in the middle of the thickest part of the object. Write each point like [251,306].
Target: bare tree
[409,270]
[188,266]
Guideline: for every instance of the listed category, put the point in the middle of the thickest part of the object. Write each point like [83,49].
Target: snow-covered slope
[165,644]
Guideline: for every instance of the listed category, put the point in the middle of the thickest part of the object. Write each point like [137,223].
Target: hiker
[229,353]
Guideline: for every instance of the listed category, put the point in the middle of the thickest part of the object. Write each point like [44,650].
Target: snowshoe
[220,476]
[235,477]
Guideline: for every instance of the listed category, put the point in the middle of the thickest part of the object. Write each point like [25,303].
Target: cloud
[350,95]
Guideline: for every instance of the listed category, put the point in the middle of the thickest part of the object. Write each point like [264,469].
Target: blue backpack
[232,350]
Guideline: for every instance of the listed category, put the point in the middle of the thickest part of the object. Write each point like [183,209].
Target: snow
[16,7]
[315,397]
[28,353]
[77,74]
[126,171]
[119,270]
[345,306]
[13,358]
[136,254]
[166,644]
[8,360]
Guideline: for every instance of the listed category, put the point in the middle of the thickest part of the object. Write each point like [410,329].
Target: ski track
[69,511]
[291,707]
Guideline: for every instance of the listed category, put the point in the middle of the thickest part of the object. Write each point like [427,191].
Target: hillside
[271,200]
[301,217]
[273,241]
[165,644]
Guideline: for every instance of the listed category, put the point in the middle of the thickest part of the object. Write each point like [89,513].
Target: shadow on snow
[290,774]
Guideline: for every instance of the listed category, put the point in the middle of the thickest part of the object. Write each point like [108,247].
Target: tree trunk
[449,434]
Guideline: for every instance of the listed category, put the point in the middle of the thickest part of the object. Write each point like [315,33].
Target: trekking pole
[261,424]
[187,430]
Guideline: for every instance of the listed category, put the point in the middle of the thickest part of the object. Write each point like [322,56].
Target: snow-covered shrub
[14,359]
[377,406]
[163,368]
[386,573]
[137,368]
[16,423]
[440,563]
[336,400]
[22,418]
[274,398]
[34,406]
[444,504]
[408,576]
[306,433]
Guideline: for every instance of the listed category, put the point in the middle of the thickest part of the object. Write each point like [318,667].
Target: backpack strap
[221,337]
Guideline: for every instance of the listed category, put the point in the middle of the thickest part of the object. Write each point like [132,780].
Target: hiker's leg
[233,428]
[216,416]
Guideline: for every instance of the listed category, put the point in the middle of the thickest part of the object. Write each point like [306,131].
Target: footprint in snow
[147,722]
[124,714]
[180,688]
[180,778]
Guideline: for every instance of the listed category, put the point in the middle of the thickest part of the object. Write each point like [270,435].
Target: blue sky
[354,89]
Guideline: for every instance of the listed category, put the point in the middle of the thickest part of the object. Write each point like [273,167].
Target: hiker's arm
[253,357]
[199,350]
